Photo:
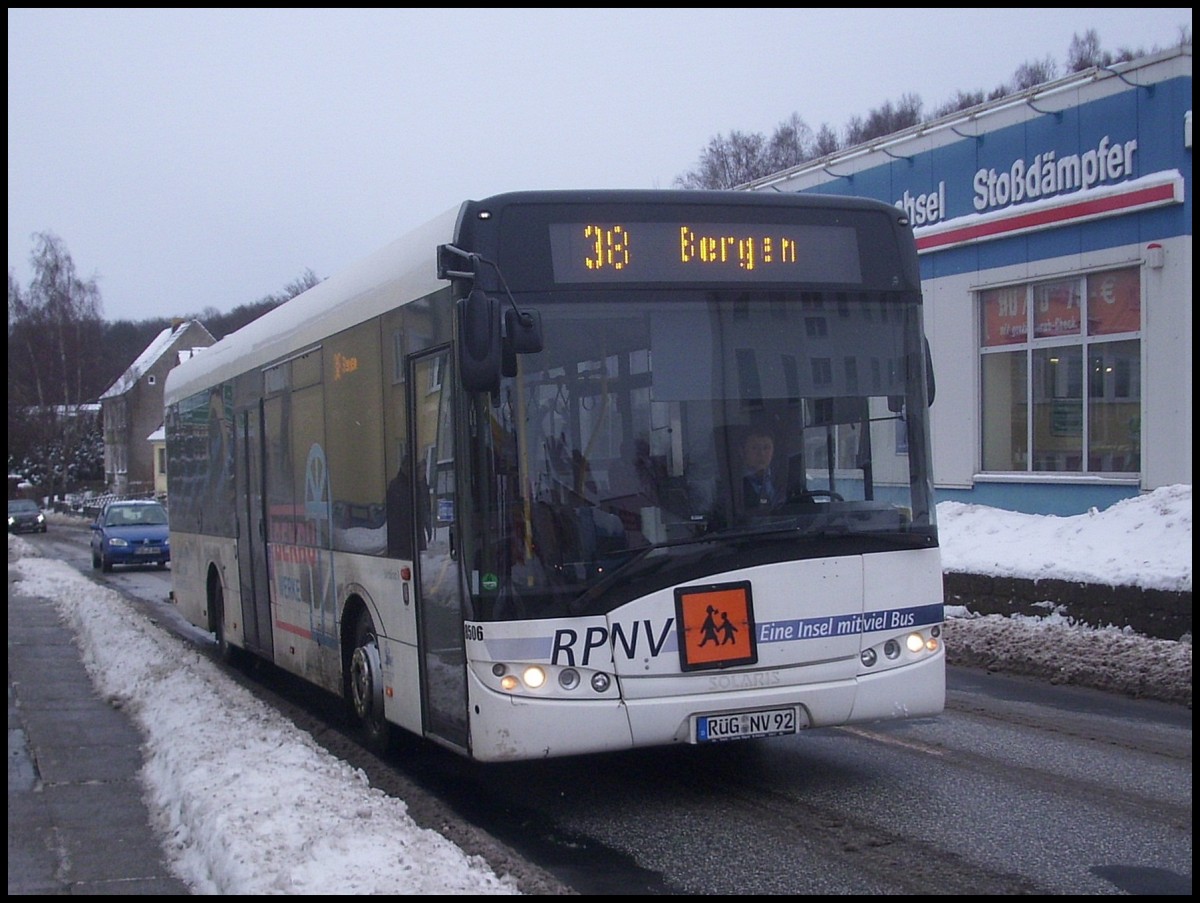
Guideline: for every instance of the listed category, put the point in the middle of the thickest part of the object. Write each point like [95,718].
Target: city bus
[491,484]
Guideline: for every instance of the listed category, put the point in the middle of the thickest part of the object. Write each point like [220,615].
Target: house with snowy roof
[132,407]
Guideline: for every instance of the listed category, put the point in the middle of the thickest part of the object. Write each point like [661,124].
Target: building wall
[145,416]
[953,324]
[983,223]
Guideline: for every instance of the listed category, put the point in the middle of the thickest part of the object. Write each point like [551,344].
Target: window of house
[1060,375]
[435,375]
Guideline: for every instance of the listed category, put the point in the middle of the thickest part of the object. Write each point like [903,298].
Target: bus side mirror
[896,402]
[479,346]
[930,387]
[522,335]
[524,330]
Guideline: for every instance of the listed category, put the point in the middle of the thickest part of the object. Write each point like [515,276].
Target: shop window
[1060,375]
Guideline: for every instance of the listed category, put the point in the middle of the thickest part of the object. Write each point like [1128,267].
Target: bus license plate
[745,725]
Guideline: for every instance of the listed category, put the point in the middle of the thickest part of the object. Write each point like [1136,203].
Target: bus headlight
[545,681]
[898,650]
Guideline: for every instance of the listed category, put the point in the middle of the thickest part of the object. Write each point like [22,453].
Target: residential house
[133,408]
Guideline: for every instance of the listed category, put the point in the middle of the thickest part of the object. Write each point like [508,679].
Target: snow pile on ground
[1143,541]
[1063,652]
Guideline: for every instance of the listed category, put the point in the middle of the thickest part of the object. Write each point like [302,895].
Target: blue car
[130,533]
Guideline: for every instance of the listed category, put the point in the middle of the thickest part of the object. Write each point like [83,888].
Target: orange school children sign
[716,626]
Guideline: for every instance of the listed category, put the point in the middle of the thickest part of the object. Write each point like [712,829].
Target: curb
[1161,614]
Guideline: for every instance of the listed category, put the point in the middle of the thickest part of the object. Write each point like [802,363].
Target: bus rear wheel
[364,686]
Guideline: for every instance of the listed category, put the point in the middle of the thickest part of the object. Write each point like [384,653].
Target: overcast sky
[193,159]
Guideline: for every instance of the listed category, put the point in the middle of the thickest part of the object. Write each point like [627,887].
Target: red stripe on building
[1019,222]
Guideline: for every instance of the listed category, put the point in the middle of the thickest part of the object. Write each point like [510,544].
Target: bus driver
[760,486]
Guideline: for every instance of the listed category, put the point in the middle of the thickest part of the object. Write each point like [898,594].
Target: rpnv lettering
[571,649]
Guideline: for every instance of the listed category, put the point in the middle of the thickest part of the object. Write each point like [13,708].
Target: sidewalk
[77,824]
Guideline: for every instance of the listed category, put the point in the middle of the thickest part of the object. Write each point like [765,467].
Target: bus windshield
[660,431]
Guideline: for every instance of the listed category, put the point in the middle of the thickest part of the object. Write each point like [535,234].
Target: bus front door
[439,595]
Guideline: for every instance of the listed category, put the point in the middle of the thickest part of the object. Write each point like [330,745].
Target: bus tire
[216,604]
[364,686]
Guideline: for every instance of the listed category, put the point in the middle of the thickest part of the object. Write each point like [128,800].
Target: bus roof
[406,269]
[357,294]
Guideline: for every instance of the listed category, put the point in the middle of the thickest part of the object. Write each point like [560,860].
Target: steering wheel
[825,494]
[813,494]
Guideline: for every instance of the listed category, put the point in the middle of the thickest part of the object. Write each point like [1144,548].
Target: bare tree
[1085,52]
[55,323]
[727,163]
[826,142]
[55,351]
[746,156]
[300,284]
[789,146]
[24,375]
[884,120]
[963,100]
[1033,73]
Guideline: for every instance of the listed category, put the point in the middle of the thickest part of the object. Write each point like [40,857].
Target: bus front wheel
[365,686]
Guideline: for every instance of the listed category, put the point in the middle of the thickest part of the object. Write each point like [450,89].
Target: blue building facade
[1054,228]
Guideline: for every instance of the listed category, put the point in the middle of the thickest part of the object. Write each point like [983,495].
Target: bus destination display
[703,252]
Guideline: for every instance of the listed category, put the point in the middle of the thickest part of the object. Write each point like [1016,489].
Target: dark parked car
[130,532]
[24,516]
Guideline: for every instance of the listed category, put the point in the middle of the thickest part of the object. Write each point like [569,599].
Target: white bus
[568,472]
